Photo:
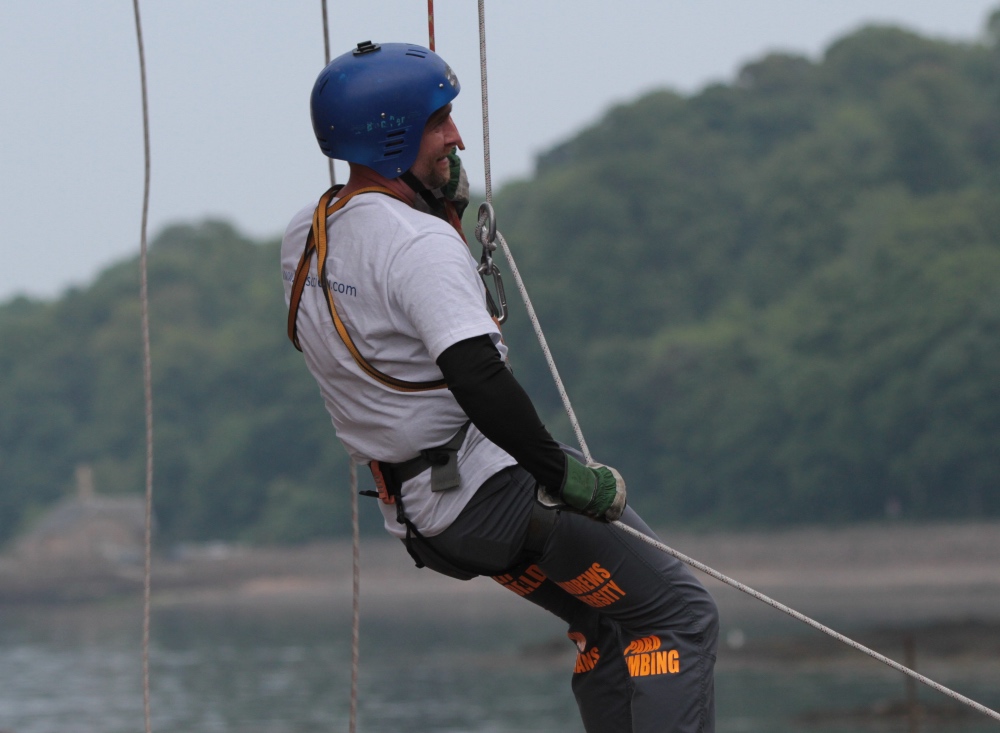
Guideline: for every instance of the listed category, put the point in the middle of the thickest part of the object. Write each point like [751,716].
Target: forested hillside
[243,445]
[773,301]
[779,300]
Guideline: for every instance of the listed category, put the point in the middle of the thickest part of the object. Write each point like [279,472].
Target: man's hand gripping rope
[594,490]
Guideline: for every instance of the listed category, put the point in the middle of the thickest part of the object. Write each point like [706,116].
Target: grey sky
[229,84]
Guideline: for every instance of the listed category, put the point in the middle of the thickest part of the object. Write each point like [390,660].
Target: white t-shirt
[406,287]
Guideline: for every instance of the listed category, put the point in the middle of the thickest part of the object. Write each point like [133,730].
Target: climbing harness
[442,461]
[316,243]
[443,464]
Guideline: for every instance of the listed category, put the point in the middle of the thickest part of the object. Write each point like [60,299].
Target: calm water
[78,671]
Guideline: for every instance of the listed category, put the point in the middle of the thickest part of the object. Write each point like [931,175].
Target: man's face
[440,137]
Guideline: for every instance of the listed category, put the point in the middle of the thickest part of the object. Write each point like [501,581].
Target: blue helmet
[370,105]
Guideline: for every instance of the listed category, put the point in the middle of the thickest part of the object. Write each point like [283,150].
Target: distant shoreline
[860,575]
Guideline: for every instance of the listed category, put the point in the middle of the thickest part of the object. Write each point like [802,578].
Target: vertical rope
[430,24]
[485,100]
[532,316]
[356,605]
[355,519]
[326,55]
[147,376]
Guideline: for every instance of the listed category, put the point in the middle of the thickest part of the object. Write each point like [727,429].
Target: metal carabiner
[486,220]
[501,312]
[486,232]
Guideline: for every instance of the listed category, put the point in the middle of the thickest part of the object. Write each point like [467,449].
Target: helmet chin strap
[436,203]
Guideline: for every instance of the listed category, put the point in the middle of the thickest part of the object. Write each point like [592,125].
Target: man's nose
[453,136]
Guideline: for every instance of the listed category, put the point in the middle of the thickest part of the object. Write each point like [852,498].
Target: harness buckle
[380,484]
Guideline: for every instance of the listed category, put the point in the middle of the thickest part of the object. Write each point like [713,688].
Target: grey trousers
[645,629]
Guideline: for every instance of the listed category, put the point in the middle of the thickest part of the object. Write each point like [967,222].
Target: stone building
[87,529]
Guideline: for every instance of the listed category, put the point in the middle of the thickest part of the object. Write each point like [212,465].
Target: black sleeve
[500,408]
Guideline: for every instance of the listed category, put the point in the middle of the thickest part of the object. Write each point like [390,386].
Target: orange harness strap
[316,243]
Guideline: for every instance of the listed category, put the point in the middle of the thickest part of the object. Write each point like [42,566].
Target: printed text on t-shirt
[312,282]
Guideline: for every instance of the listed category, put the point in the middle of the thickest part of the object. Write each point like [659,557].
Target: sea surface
[287,670]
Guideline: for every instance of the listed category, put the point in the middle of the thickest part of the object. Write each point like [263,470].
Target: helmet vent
[394,143]
[418,52]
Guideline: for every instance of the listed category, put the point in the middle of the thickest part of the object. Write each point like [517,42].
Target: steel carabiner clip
[486,232]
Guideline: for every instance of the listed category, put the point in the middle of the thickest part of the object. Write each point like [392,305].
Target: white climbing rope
[356,599]
[147,377]
[571,414]
[484,100]
[326,55]
[352,725]
[532,316]
[806,620]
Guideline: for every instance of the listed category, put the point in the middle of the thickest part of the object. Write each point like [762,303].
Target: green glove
[595,490]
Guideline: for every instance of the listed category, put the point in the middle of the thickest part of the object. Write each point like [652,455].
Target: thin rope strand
[356,605]
[563,395]
[571,414]
[147,377]
[806,620]
[430,24]
[485,100]
[537,326]
[326,55]
[355,520]
[326,33]
[699,565]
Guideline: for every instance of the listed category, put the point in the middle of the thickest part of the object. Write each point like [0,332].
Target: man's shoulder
[405,231]
[376,217]
[390,207]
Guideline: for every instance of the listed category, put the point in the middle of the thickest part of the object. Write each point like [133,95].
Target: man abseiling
[391,316]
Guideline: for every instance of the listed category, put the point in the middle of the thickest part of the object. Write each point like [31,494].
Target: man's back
[406,286]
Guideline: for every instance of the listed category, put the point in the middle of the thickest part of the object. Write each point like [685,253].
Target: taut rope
[532,316]
[571,414]
[806,620]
